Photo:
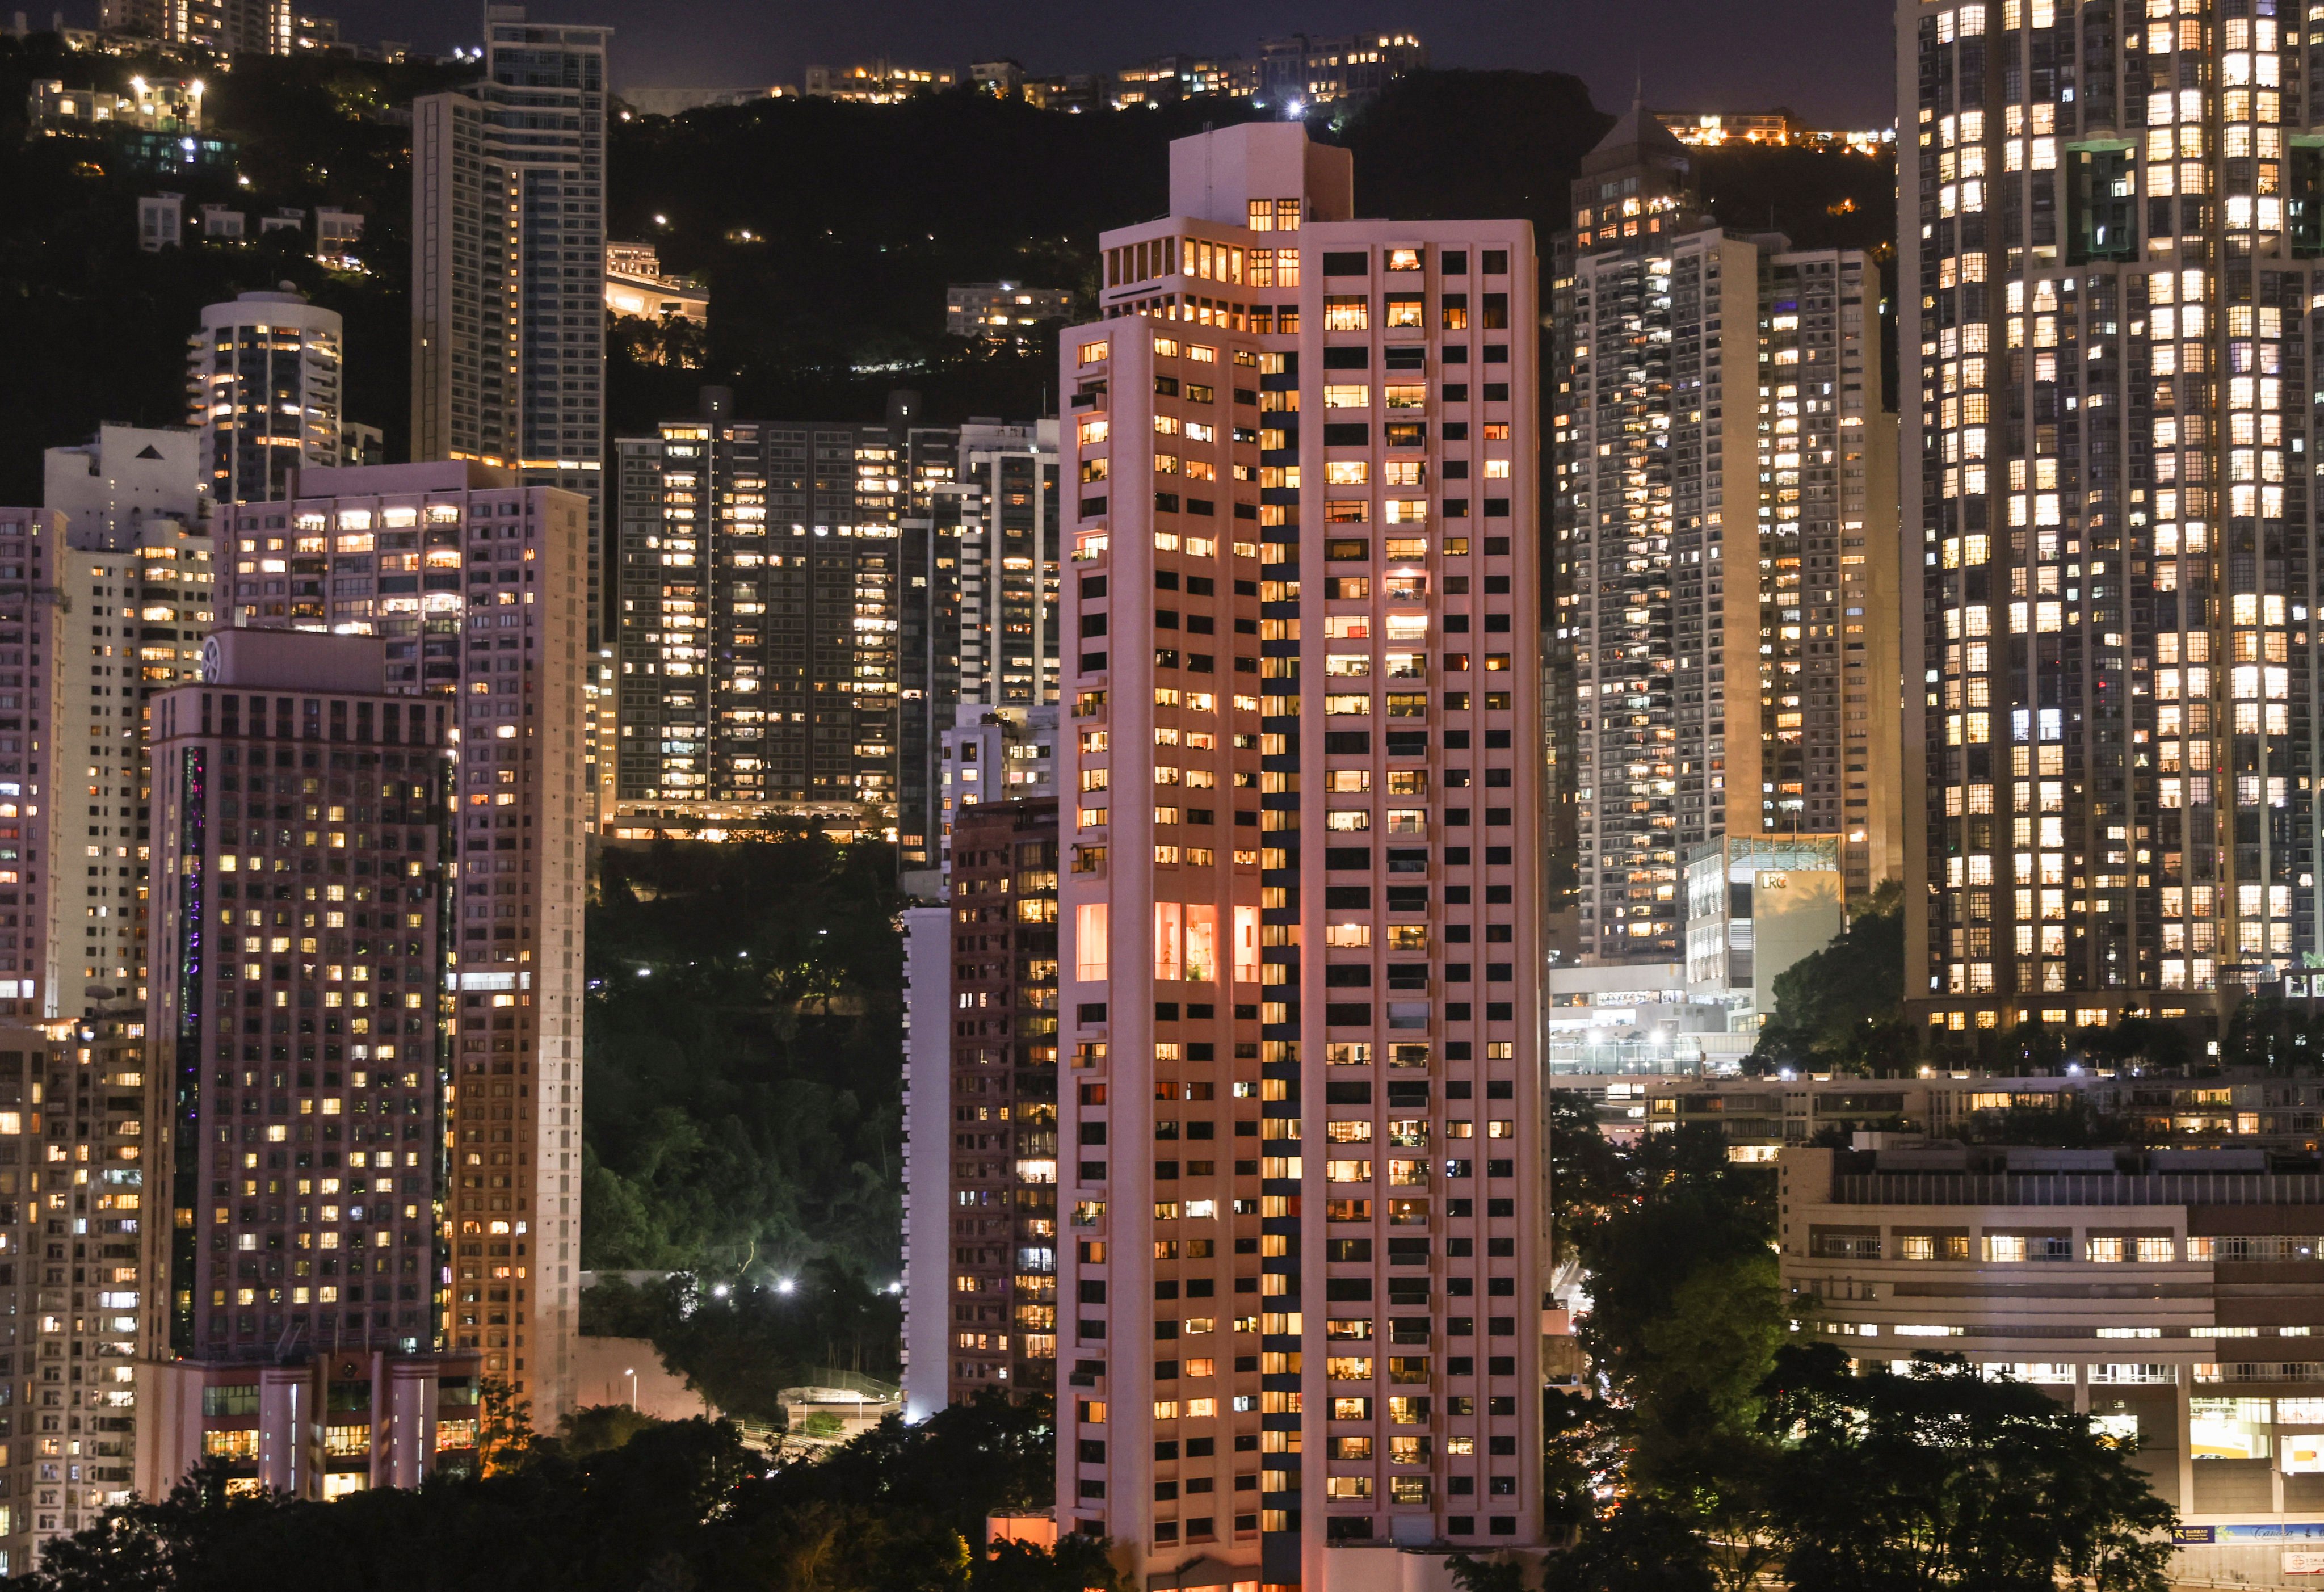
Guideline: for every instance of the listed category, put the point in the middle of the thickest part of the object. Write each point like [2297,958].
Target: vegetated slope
[828,232]
[744,1062]
[95,330]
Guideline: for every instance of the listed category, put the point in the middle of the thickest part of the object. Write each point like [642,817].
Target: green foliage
[1683,1323]
[826,233]
[1415,146]
[1942,1479]
[504,1434]
[1842,1009]
[679,1505]
[2273,1036]
[837,294]
[1588,1176]
[1819,198]
[1640,1546]
[1472,1574]
[2073,1124]
[595,1428]
[1660,1210]
[741,1347]
[2155,1043]
[1723,1458]
[744,1059]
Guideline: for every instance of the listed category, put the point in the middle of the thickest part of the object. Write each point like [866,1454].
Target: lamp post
[633,1374]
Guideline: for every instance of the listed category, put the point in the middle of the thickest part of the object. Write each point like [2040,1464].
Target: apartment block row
[294,800]
[1727,559]
[1289,70]
[309,962]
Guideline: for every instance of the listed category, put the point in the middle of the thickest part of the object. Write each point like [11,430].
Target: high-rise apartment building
[129,575]
[1726,549]
[993,755]
[980,1309]
[979,601]
[926,1159]
[1009,564]
[1004,315]
[1295,900]
[108,486]
[32,547]
[69,1114]
[2107,248]
[508,263]
[262,388]
[757,643]
[300,1287]
[72,1108]
[929,635]
[475,582]
[137,583]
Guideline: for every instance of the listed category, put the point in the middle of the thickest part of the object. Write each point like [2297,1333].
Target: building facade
[263,381]
[978,602]
[73,955]
[992,755]
[300,1085]
[231,27]
[508,262]
[1726,549]
[1268,1356]
[1009,564]
[926,1159]
[1004,315]
[31,552]
[761,644]
[2152,1291]
[1759,1117]
[475,583]
[1313,71]
[137,603]
[2107,254]
[72,1112]
[984,1195]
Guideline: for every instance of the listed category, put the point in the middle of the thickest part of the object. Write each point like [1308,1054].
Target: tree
[505,1436]
[1679,1204]
[681,1506]
[1841,1008]
[1924,1481]
[1683,1321]
[744,1057]
[1639,1546]
[2273,1036]
[1588,1176]
[2161,1044]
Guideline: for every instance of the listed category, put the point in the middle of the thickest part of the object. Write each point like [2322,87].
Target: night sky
[1827,59]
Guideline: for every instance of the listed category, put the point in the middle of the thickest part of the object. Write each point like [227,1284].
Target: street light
[633,1374]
